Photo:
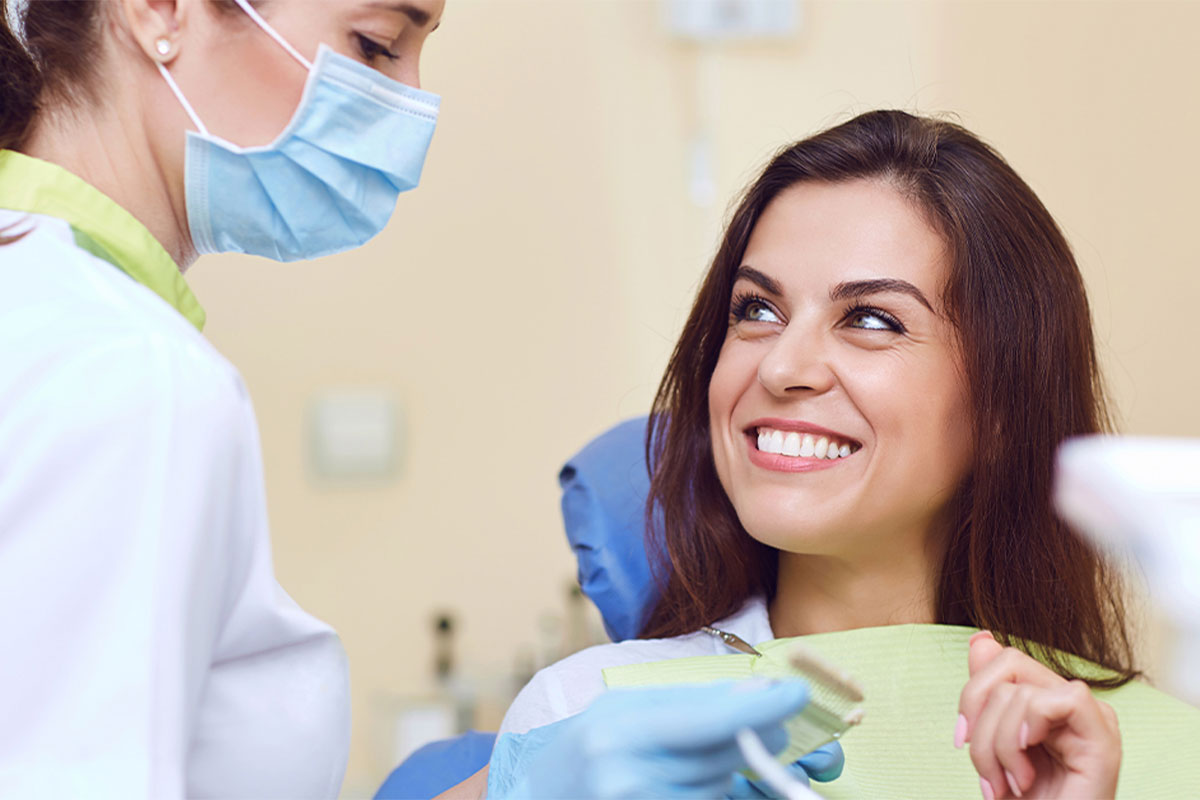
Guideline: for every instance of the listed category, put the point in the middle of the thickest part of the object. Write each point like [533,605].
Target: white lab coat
[146,650]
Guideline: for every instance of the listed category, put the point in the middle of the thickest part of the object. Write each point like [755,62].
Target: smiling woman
[896,305]
[853,444]
[848,341]
[910,291]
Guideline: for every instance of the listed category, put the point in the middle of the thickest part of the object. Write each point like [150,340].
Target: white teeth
[799,445]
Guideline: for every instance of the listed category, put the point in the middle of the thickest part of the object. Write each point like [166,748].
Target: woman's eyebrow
[852,290]
[419,17]
[765,282]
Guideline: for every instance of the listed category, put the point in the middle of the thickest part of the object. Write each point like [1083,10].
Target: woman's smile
[783,445]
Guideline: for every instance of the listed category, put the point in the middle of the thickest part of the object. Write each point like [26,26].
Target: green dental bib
[911,676]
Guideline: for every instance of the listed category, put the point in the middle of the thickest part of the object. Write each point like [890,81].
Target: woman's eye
[372,49]
[757,311]
[872,319]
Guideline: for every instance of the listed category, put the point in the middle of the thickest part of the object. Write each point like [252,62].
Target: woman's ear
[157,26]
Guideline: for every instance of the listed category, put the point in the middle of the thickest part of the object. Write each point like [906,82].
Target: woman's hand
[1033,733]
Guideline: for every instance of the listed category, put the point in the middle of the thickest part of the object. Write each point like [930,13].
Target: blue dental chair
[604,488]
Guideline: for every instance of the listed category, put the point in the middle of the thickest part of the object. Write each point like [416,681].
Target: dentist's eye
[750,308]
[372,49]
[873,319]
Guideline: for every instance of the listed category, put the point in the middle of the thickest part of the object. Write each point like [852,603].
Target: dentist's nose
[798,362]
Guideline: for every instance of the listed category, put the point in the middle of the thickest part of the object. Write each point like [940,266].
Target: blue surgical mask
[328,183]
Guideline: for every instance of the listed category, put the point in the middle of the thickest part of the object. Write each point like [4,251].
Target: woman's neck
[107,145]
[819,594]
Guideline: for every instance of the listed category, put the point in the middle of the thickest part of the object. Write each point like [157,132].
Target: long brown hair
[1017,300]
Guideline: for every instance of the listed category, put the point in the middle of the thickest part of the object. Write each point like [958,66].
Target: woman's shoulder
[567,687]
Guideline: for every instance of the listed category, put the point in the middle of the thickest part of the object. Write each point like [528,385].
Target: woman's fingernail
[1012,783]
[1023,736]
[960,731]
[981,634]
[986,788]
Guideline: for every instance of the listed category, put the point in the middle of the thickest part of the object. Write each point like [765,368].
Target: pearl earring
[163,46]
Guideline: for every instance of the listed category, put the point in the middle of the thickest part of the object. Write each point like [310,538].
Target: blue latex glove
[670,742]
[823,764]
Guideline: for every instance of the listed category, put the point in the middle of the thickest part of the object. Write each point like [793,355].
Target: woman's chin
[794,520]
[812,538]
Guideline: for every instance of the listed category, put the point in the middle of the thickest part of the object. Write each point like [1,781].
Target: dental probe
[733,640]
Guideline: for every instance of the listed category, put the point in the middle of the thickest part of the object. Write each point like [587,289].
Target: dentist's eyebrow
[853,290]
[419,16]
[765,282]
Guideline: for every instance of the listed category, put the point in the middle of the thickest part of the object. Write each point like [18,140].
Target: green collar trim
[100,226]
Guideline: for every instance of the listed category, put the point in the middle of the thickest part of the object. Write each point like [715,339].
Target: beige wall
[526,297]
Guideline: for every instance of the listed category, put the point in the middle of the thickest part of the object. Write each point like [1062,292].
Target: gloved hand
[823,764]
[669,742]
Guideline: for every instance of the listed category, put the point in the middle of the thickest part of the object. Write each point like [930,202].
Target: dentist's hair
[1017,300]
[50,58]
[49,53]
[47,49]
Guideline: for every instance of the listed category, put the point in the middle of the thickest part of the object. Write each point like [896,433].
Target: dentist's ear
[157,26]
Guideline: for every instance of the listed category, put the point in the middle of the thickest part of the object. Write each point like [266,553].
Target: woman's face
[838,406]
[245,87]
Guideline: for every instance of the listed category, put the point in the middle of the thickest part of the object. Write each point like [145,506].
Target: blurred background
[527,296]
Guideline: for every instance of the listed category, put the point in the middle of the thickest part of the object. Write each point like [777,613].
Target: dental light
[1140,498]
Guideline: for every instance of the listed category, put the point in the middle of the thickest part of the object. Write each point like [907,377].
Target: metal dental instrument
[834,704]
[733,640]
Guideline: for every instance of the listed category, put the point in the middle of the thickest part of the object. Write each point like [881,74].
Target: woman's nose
[797,362]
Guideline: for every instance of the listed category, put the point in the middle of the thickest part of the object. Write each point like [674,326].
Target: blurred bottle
[558,636]
[449,679]
[443,648]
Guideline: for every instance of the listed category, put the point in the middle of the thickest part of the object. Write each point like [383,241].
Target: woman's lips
[792,451]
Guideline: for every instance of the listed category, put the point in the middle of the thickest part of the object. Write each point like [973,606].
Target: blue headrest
[604,506]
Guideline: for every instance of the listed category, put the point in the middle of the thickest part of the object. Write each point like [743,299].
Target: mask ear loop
[258,20]
[191,112]
[262,23]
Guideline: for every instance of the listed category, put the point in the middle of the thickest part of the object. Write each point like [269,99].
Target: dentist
[148,650]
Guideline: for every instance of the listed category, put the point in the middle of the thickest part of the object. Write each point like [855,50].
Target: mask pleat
[329,182]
